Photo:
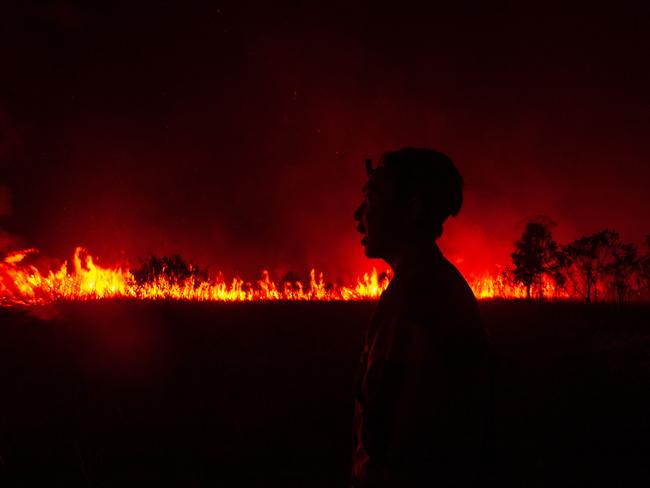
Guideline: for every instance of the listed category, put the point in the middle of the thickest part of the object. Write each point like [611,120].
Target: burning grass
[171,278]
[163,278]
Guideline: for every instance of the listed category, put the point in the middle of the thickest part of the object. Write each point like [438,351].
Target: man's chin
[370,252]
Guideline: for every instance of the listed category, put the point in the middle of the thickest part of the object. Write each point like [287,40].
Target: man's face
[378,218]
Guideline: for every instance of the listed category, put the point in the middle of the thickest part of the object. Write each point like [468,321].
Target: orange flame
[20,284]
[487,286]
[86,280]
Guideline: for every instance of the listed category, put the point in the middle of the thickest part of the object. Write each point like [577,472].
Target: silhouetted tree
[171,268]
[644,268]
[622,269]
[585,262]
[535,256]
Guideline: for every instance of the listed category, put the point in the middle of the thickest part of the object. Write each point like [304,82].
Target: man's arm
[438,380]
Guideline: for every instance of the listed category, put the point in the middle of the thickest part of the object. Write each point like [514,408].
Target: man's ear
[416,210]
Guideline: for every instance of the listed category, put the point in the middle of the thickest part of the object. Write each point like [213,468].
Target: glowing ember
[86,280]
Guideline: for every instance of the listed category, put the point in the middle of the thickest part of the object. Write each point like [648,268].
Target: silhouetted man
[422,389]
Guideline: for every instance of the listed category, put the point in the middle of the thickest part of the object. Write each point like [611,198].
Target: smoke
[10,140]
[10,145]
[7,240]
[5,202]
[238,140]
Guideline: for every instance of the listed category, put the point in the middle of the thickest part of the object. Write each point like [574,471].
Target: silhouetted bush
[172,268]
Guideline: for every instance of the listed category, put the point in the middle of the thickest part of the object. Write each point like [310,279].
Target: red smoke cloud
[237,139]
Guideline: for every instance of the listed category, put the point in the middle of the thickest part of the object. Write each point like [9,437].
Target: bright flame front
[86,280]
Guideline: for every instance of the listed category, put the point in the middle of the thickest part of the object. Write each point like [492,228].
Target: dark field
[175,394]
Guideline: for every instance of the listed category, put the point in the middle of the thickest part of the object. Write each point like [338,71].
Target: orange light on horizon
[22,284]
[86,280]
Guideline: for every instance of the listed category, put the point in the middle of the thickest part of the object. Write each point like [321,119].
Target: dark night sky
[235,133]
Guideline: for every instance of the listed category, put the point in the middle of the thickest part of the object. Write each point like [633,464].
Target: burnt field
[126,393]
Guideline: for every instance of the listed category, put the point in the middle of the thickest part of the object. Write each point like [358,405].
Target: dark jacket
[423,386]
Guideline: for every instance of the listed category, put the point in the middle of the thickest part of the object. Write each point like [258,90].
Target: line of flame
[86,280]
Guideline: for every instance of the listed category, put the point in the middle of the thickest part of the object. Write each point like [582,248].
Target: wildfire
[488,286]
[86,280]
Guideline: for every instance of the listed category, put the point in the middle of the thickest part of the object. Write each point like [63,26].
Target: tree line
[592,268]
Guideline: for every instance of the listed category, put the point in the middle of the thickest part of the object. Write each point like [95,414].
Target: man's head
[407,199]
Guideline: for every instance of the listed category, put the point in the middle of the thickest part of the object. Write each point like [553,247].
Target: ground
[114,394]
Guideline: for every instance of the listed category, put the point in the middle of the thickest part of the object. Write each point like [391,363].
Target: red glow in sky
[236,135]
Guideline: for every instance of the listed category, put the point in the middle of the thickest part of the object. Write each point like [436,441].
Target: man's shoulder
[438,288]
[438,301]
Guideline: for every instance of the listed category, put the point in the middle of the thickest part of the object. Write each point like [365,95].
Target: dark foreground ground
[118,394]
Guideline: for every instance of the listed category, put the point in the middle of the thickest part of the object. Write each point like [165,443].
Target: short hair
[427,174]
